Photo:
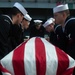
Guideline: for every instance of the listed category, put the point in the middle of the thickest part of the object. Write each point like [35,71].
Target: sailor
[62,17]
[37,30]
[18,37]
[6,23]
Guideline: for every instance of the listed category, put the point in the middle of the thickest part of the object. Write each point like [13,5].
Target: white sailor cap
[27,17]
[37,21]
[60,8]
[48,22]
[21,8]
[52,19]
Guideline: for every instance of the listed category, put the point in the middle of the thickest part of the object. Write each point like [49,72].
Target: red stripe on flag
[2,69]
[68,71]
[40,57]
[63,61]
[18,60]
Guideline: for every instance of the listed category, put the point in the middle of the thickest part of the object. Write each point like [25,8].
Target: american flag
[37,57]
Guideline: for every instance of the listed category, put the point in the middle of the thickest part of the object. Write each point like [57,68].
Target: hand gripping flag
[37,57]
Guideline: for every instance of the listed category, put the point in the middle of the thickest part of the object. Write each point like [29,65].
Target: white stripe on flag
[3,73]
[29,58]
[51,58]
[71,62]
[7,62]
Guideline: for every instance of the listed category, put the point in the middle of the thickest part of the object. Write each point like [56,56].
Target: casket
[37,57]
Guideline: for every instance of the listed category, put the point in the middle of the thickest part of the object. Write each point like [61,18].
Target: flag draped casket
[37,57]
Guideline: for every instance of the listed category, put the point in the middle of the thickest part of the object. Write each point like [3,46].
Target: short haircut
[15,11]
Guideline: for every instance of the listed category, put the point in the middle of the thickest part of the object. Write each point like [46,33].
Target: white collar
[8,17]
